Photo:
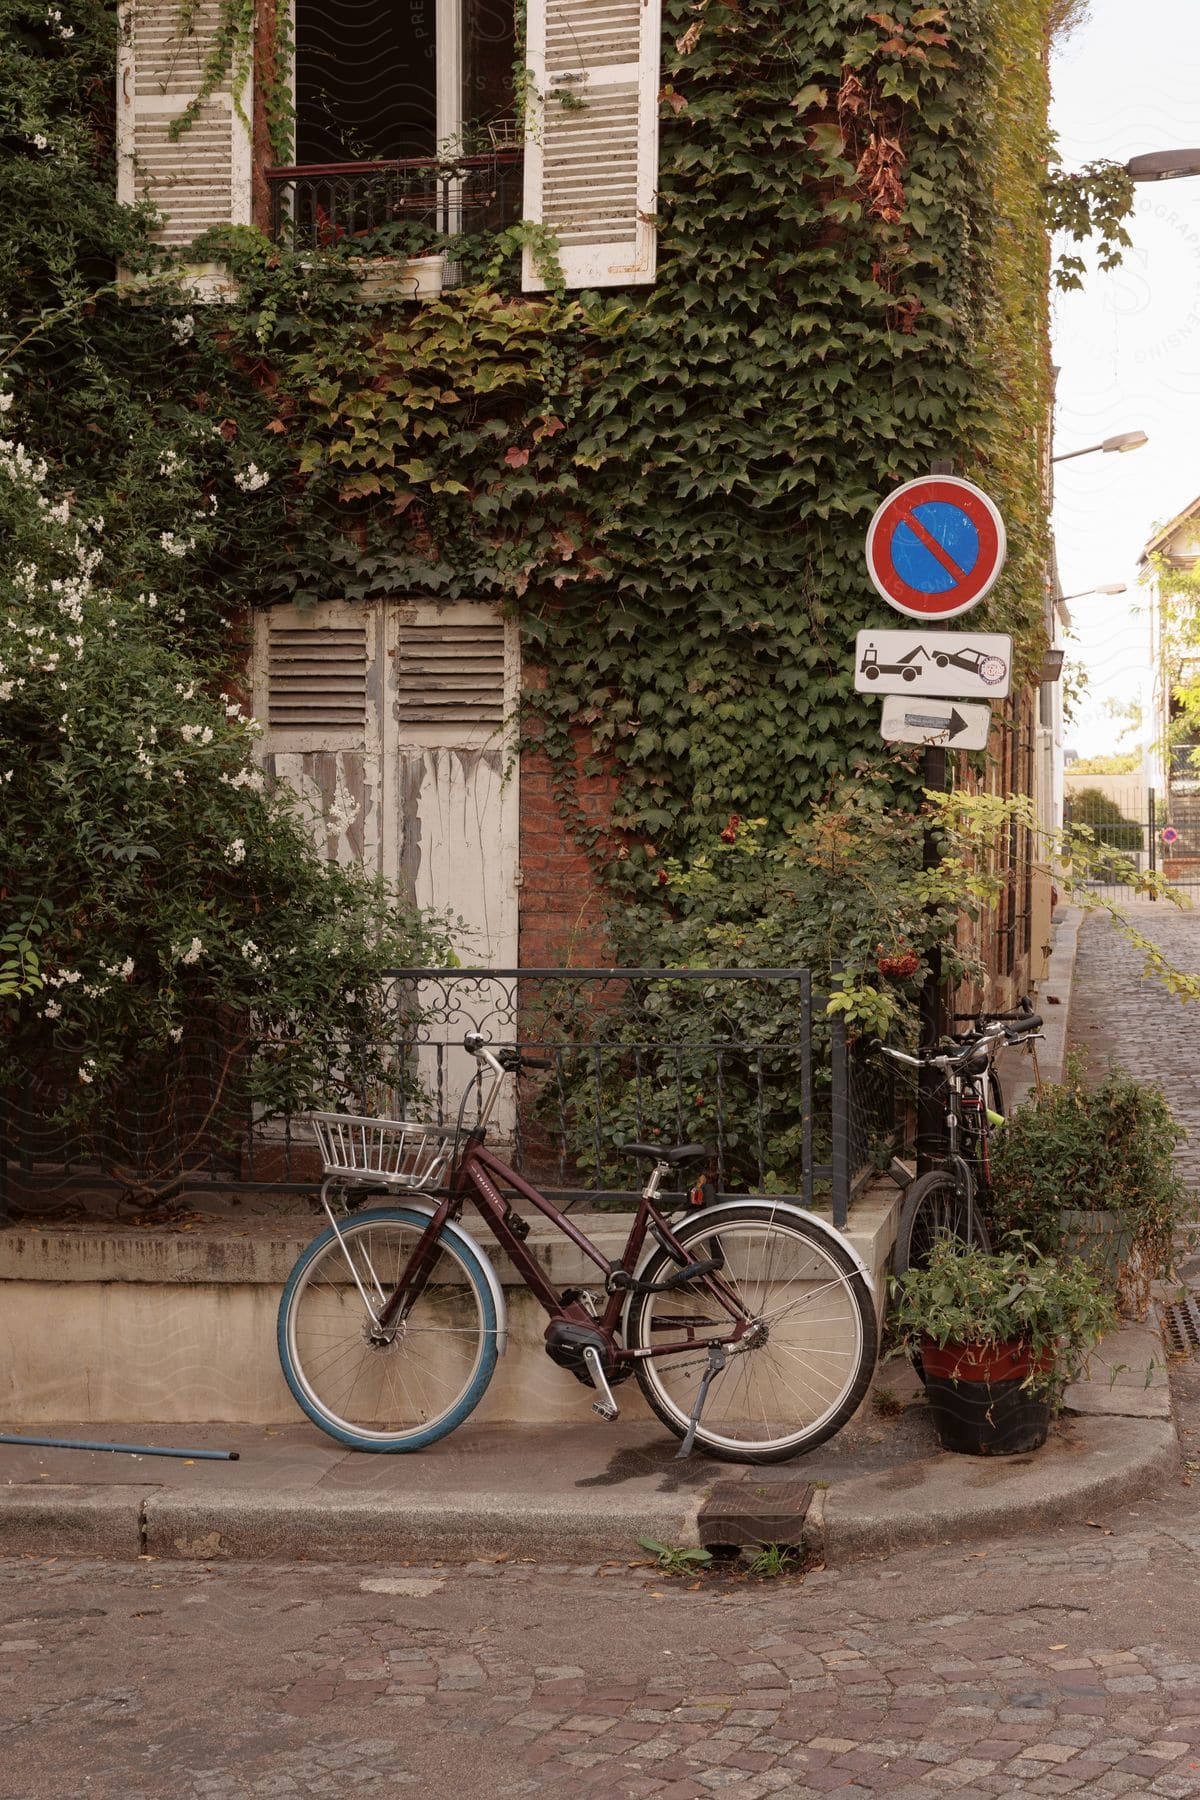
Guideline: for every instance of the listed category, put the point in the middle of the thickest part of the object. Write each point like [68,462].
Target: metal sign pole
[932,1005]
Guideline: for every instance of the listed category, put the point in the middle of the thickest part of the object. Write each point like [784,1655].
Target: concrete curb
[222,1525]
[1099,1462]
[69,1521]
[1093,1462]
[275,1528]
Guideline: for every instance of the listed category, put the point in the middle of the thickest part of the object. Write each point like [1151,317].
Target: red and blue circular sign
[935,547]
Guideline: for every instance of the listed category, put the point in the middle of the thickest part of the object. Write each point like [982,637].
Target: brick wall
[562,908]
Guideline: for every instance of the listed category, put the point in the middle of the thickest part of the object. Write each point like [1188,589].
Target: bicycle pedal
[604,1404]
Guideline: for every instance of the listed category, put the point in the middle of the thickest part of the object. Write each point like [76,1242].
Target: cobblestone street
[1066,1664]
[1116,1014]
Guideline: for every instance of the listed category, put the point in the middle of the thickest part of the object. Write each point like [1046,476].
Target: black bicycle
[951,1200]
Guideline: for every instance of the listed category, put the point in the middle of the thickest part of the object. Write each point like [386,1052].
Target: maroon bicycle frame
[478,1176]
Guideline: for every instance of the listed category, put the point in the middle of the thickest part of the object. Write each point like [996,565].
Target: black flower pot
[980,1402]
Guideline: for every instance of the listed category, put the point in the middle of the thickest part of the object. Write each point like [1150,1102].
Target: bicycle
[749,1323]
[944,1201]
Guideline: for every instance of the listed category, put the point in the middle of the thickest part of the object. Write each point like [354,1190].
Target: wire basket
[377,1152]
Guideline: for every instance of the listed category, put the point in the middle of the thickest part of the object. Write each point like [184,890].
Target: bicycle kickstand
[716,1362]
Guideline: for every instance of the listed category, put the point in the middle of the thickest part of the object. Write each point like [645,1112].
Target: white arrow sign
[977,664]
[955,723]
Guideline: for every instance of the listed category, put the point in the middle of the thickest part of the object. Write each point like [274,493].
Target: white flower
[67,31]
[251,478]
[6,401]
[52,1010]
[39,143]
[183,329]
[192,954]
[126,969]
[175,1033]
[175,546]
[85,1071]
[168,463]
[236,852]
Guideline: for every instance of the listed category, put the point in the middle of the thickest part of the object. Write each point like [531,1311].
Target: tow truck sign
[963,665]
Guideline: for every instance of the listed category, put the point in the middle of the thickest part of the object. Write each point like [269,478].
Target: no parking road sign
[935,547]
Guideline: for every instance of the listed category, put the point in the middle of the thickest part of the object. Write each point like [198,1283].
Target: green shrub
[1108,1147]
[156,888]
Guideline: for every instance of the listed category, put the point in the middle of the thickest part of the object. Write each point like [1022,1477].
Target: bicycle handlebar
[505,1059]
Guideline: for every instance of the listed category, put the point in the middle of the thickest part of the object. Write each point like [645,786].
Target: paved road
[1062,1664]
[1116,1014]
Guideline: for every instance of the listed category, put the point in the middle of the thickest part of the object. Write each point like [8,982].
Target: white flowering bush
[155,890]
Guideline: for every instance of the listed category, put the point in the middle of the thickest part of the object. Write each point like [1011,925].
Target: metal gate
[1139,825]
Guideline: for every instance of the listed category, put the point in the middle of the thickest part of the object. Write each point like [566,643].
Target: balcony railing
[411,207]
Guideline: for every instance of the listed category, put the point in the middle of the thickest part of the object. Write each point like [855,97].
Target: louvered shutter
[318,681]
[591,152]
[203,177]
[451,674]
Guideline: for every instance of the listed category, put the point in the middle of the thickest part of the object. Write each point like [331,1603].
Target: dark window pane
[365,80]
[488,50]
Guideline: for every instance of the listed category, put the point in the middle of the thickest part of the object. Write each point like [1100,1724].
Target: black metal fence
[745,1060]
[420,202]
[1132,823]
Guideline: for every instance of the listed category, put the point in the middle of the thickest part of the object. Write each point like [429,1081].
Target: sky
[1128,347]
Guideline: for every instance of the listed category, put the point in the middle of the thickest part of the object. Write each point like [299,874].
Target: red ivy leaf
[515,458]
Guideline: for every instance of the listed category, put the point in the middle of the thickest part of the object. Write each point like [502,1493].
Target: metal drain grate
[1182,1323]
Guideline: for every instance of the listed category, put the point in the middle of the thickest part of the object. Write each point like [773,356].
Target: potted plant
[1088,1169]
[999,1335]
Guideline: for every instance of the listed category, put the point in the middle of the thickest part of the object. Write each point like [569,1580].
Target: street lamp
[1163,165]
[1124,441]
[1108,587]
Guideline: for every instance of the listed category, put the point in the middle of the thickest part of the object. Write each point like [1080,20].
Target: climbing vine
[670,486]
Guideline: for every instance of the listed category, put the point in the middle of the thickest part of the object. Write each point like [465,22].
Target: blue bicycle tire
[327,1344]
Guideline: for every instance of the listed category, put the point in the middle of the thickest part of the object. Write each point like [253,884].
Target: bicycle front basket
[383,1152]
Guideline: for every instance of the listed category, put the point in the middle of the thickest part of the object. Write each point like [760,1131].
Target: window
[384,79]
[425,88]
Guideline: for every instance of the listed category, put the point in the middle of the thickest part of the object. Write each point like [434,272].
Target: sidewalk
[586,1491]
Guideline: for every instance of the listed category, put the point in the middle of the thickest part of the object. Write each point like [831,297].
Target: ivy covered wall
[671,487]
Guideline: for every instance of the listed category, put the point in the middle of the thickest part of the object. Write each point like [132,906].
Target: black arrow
[955,724]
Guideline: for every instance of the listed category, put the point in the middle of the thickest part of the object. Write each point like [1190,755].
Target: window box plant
[1087,1169]
[999,1335]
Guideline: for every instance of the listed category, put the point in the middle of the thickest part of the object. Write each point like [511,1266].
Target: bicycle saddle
[659,1152]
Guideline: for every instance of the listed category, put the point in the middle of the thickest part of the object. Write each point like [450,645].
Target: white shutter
[591,164]
[318,682]
[201,178]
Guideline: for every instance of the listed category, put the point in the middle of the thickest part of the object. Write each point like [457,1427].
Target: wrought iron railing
[412,206]
[747,1060]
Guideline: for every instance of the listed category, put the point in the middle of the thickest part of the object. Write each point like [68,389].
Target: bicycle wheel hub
[376,1338]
